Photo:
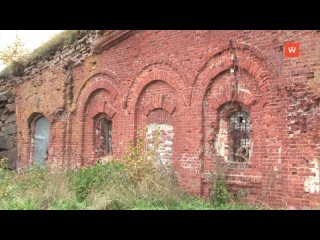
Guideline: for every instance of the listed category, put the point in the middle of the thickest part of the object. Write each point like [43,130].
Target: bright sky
[31,38]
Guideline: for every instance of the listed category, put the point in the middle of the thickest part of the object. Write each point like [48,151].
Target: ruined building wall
[180,81]
[8,128]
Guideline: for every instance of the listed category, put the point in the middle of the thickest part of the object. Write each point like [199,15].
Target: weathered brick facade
[182,79]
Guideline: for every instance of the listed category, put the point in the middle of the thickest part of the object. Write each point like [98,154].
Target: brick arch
[260,68]
[153,72]
[252,61]
[105,110]
[107,73]
[36,115]
[235,105]
[243,47]
[244,98]
[168,106]
[85,94]
[108,111]
[100,81]
[171,63]
[96,82]
[103,107]
[158,102]
[228,108]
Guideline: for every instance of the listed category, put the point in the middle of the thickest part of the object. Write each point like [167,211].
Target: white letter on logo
[292,49]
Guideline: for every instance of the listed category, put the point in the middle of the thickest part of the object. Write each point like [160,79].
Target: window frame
[225,113]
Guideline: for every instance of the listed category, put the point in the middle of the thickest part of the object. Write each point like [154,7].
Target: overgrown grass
[101,187]
[132,182]
[44,52]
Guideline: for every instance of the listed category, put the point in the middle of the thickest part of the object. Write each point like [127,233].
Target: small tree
[13,53]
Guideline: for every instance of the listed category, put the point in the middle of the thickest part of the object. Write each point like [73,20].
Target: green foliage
[140,161]
[220,194]
[26,203]
[118,184]
[3,163]
[101,187]
[86,179]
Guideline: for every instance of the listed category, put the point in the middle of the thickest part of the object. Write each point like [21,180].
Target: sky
[31,38]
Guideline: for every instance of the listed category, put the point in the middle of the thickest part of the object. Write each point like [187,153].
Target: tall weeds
[134,181]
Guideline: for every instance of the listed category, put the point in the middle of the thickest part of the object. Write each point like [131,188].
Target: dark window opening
[102,139]
[106,136]
[239,136]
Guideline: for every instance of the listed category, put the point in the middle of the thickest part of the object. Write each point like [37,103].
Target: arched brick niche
[222,108]
[218,99]
[96,104]
[105,79]
[220,104]
[39,131]
[158,96]
[156,71]
[155,113]
[249,58]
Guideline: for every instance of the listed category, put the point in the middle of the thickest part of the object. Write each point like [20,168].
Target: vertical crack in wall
[69,105]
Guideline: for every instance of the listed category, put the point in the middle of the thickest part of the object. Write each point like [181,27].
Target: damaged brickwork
[184,82]
[161,136]
[8,129]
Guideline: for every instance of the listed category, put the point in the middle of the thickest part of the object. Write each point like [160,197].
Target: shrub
[117,184]
[83,181]
[220,194]
[3,162]
[140,161]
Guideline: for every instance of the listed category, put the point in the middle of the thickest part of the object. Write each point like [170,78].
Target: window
[106,128]
[239,136]
[104,137]
[234,139]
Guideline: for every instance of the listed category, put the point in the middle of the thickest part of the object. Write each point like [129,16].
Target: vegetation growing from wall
[13,53]
[220,194]
[44,52]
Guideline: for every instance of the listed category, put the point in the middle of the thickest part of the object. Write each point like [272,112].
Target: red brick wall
[187,75]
